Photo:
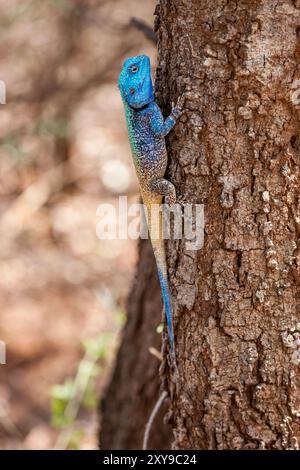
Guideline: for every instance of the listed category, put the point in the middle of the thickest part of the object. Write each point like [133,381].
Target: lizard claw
[180,101]
[177,110]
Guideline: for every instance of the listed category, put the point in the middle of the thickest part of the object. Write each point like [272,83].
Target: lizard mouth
[144,99]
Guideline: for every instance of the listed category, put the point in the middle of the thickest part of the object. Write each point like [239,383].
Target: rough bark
[236,150]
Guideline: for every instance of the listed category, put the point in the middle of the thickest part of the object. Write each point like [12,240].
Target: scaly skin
[147,129]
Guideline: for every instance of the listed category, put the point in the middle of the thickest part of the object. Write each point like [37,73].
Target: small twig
[155,353]
[154,412]
[142,26]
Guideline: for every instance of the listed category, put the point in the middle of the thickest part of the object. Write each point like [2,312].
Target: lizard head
[135,82]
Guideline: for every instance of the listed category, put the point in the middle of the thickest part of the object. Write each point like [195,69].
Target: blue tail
[160,257]
[168,309]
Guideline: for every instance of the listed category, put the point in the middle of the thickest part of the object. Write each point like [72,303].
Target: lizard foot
[164,188]
[177,110]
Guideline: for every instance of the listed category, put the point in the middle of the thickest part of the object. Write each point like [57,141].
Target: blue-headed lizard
[147,129]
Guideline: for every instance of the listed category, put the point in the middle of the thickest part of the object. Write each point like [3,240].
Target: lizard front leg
[160,126]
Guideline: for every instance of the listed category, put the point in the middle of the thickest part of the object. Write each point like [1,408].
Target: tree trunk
[235,150]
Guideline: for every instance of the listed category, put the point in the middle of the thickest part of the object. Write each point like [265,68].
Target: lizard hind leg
[164,188]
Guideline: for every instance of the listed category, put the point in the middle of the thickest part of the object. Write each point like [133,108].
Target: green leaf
[58,418]
[75,440]
[63,392]
[90,399]
[98,347]
[121,318]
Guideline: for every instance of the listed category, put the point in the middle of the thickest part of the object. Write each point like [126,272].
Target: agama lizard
[147,129]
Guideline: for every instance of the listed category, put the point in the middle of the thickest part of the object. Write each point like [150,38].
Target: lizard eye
[132,91]
[134,68]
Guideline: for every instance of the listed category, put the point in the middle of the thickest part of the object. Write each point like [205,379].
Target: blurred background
[63,151]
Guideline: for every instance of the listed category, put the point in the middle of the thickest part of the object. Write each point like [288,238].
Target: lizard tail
[156,232]
[160,257]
